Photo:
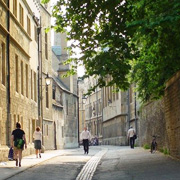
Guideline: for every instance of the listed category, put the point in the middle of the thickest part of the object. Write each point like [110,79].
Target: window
[21,15]
[117,95]
[67,107]
[22,127]
[22,78]
[47,97]
[47,132]
[29,128]
[27,90]
[17,77]
[18,120]
[75,109]
[28,26]
[33,128]
[35,85]
[31,84]
[62,127]
[99,107]
[46,45]
[14,125]
[54,93]
[15,7]
[3,58]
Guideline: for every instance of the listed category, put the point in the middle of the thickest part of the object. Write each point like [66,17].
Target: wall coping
[174,78]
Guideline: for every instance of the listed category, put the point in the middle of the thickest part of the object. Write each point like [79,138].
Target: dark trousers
[86,145]
[132,142]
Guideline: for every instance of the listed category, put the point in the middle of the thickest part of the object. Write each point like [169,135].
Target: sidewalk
[8,169]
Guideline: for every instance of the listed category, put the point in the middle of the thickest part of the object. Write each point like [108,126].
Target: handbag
[11,154]
[135,137]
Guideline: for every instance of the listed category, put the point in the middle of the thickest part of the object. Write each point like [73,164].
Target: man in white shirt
[85,137]
[131,133]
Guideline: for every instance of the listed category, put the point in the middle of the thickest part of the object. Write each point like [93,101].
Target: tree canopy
[132,41]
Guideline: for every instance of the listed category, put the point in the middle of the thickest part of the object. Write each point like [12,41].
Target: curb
[22,169]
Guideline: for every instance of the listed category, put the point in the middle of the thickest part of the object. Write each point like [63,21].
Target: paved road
[123,163]
[102,163]
[64,167]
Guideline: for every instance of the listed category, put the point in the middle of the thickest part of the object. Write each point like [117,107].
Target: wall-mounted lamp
[48,79]
[84,98]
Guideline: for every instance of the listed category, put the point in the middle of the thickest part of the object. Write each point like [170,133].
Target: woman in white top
[37,141]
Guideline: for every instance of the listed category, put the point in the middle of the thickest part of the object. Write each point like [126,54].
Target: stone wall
[152,122]
[172,114]
[162,118]
[114,131]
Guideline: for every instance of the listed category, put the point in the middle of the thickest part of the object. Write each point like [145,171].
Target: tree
[156,33]
[99,27]
[136,39]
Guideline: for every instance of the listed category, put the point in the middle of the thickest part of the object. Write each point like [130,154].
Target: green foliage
[156,33]
[130,41]
[146,146]
[166,151]
[161,150]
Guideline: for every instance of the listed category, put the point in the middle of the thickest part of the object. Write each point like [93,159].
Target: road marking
[89,168]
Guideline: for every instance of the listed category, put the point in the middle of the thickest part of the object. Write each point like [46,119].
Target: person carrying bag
[18,140]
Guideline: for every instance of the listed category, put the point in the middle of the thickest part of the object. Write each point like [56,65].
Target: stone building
[109,114]
[82,99]
[93,108]
[115,116]
[45,67]
[19,64]
[65,98]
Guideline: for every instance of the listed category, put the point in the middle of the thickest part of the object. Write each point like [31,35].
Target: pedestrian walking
[37,141]
[85,137]
[131,133]
[18,140]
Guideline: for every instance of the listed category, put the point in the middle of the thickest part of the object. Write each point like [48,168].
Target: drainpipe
[135,114]
[39,65]
[78,108]
[128,109]
[40,99]
[97,132]
[102,99]
[8,76]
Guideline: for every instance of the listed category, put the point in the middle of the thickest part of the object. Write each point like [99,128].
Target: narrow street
[113,163]
[123,163]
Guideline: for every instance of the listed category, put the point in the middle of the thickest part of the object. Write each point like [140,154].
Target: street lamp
[40,100]
[48,80]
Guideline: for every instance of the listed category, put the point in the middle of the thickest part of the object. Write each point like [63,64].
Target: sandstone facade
[19,70]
